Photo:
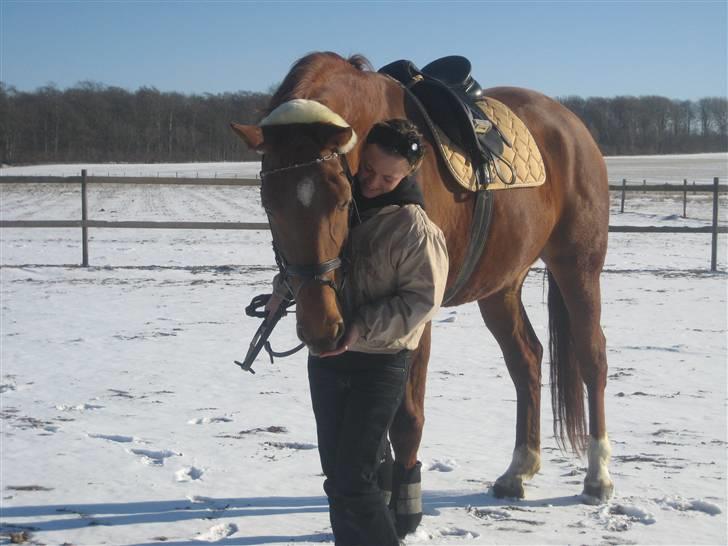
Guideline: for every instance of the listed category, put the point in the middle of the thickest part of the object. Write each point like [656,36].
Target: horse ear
[341,139]
[251,135]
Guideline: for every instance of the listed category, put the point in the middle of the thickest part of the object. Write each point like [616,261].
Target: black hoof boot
[406,500]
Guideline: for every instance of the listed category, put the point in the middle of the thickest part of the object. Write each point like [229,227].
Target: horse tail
[567,387]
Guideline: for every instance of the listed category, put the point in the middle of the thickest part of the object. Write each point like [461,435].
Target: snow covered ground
[653,168]
[182,170]
[124,421]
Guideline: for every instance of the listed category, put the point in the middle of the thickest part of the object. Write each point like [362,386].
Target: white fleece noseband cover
[308,111]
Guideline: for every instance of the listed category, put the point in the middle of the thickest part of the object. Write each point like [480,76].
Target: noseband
[309,272]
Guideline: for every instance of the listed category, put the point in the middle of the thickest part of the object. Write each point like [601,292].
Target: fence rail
[84,223]
[668,188]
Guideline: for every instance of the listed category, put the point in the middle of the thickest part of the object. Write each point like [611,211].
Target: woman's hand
[273,304]
[350,337]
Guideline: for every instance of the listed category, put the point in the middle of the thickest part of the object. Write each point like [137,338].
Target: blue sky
[676,49]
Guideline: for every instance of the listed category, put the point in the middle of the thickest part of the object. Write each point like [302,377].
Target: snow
[173,170]
[701,168]
[125,421]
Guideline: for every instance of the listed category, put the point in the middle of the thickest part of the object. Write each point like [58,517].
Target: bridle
[310,272]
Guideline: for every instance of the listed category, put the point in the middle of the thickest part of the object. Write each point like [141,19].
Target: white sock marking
[599,453]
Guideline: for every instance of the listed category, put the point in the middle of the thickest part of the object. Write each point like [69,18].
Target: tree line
[628,125]
[92,122]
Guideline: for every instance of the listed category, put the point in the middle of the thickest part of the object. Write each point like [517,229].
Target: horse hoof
[597,492]
[508,486]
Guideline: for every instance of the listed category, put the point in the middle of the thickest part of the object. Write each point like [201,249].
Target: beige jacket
[396,277]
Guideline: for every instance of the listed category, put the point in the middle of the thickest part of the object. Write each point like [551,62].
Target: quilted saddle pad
[522,160]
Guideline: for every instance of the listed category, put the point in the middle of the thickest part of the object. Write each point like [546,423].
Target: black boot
[406,500]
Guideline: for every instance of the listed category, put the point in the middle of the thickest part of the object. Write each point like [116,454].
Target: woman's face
[379,171]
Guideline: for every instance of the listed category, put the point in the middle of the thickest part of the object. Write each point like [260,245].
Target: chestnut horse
[307,145]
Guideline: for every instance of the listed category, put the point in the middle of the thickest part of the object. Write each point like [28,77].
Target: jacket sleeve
[422,269]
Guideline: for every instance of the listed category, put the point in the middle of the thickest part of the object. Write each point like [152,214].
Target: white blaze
[305,191]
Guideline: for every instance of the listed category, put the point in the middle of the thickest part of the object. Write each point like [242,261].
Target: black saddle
[447,91]
[454,71]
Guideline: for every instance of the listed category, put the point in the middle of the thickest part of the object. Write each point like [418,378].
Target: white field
[700,168]
[125,422]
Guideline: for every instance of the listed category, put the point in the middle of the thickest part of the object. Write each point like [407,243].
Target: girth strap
[479,229]
[482,211]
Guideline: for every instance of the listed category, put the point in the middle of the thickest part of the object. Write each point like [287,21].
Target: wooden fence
[84,223]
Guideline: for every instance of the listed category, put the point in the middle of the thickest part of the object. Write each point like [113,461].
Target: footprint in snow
[456,532]
[78,407]
[208,420]
[422,535]
[685,505]
[290,445]
[500,515]
[218,532]
[619,517]
[114,438]
[209,502]
[188,474]
[152,457]
[446,465]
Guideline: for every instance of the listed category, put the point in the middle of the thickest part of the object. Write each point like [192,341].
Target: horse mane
[310,70]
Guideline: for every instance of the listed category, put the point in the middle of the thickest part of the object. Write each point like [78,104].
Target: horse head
[306,193]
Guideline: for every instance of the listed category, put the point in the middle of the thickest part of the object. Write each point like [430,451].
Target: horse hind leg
[506,318]
[577,284]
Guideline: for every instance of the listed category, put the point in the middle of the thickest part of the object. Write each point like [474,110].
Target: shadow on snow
[75,516]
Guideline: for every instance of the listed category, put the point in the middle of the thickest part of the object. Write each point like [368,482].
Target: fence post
[685,197]
[714,242]
[624,190]
[84,218]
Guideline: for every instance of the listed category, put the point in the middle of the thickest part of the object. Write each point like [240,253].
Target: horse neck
[362,99]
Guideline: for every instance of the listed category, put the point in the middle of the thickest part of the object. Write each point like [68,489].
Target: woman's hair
[399,137]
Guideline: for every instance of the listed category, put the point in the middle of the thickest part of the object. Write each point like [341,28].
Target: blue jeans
[355,396]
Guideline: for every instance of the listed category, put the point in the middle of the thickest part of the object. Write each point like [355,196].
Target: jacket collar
[407,192]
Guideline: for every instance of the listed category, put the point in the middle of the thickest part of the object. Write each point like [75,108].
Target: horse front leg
[405,435]
[506,318]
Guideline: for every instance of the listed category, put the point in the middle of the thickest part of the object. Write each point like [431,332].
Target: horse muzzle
[323,340]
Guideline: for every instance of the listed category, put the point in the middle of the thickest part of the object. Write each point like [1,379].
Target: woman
[395,284]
